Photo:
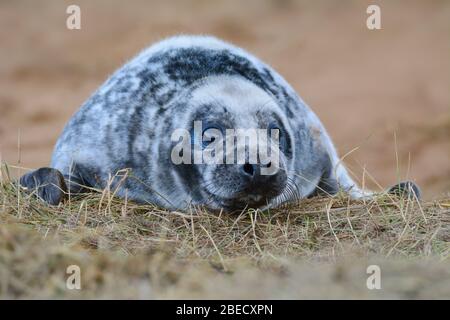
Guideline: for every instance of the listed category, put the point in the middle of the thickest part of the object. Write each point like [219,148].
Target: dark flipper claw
[48,184]
[406,189]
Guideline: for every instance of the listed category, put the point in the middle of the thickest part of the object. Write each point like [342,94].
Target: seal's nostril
[248,169]
[268,165]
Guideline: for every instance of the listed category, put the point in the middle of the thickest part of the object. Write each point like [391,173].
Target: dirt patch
[317,248]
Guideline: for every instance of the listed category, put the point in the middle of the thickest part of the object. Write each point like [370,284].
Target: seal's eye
[206,136]
[274,126]
[209,135]
[281,135]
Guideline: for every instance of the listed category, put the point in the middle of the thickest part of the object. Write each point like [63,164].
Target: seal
[123,138]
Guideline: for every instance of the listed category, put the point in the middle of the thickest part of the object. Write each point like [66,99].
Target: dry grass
[316,248]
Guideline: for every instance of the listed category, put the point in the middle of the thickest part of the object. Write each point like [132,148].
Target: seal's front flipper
[406,189]
[48,184]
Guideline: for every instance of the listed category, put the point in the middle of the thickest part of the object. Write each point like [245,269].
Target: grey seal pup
[122,136]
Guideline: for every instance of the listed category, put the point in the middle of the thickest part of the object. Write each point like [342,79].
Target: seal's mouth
[244,191]
[246,200]
[240,204]
[250,201]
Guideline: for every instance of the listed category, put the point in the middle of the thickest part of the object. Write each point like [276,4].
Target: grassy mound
[318,248]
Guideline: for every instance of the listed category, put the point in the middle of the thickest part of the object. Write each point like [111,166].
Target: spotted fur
[126,124]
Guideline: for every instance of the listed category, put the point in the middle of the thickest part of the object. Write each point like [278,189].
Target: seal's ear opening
[406,189]
[48,183]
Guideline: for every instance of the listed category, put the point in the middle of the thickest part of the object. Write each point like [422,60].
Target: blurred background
[384,92]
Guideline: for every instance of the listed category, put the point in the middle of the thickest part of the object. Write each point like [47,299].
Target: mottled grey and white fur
[120,137]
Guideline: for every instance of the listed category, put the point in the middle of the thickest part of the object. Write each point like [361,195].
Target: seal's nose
[253,170]
[257,185]
[248,169]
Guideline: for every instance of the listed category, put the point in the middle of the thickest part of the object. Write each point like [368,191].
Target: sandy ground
[365,85]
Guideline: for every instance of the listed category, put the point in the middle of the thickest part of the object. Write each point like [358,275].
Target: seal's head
[236,148]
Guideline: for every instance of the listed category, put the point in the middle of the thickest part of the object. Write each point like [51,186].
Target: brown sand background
[365,85]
